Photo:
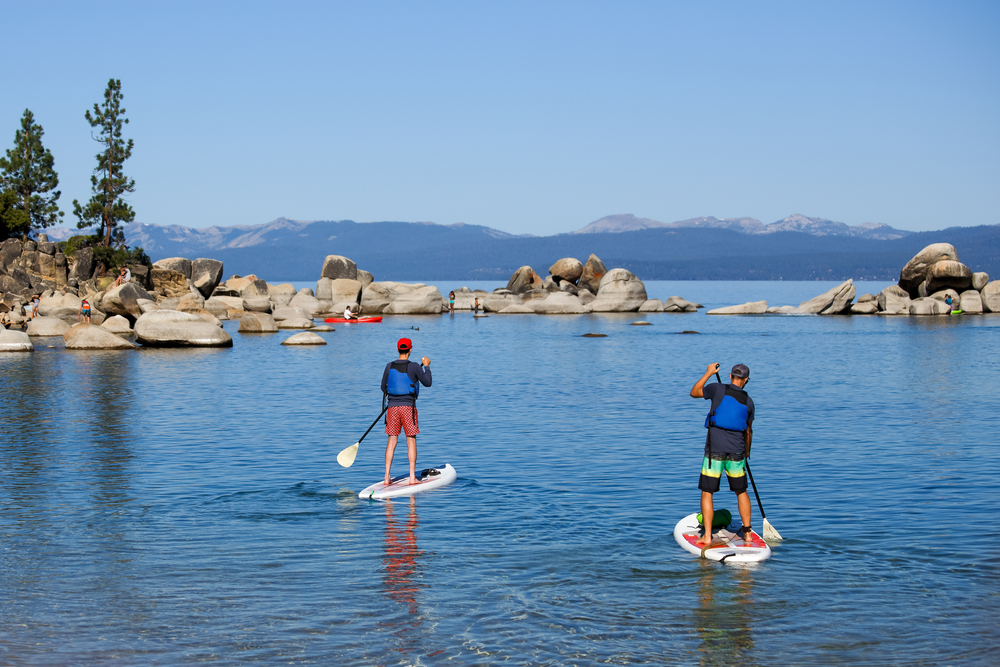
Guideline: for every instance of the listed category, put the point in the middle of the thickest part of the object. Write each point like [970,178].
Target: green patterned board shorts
[711,475]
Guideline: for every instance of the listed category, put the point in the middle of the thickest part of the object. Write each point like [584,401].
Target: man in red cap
[401,382]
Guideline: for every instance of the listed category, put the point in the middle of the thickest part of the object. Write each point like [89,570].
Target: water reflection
[724,614]
[400,574]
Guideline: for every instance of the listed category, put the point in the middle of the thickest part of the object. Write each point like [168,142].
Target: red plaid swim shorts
[402,417]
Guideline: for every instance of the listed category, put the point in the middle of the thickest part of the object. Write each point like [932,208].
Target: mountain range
[708,248]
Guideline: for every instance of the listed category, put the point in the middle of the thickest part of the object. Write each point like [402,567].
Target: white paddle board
[726,546]
[427,479]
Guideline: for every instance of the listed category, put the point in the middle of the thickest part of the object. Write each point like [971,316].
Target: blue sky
[530,117]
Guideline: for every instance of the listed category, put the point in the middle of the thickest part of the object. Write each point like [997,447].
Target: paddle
[346,457]
[770,532]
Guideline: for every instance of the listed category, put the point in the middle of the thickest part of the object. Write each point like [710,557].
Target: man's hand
[712,369]
[697,391]
[425,361]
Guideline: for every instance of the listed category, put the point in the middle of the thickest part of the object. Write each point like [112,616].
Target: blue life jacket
[730,412]
[399,382]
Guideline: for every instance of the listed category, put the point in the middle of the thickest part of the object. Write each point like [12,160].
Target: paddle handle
[373,424]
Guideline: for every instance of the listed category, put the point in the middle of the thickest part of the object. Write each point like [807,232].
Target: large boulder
[365,278]
[339,267]
[586,296]
[499,300]
[652,306]
[550,284]
[260,304]
[289,313]
[620,292]
[9,251]
[304,338]
[254,289]
[343,293]
[192,302]
[181,265]
[980,280]
[864,308]
[948,274]
[971,302]
[425,300]
[832,302]
[559,303]
[170,328]
[929,306]
[81,264]
[524,279]
[85,336]
[306,302]
[593,273]
[15,341]
[230,302]
[991,297]
[567,269]
[915,271]
[47,326]
[750,308]
[205,275]
[117,324]
[64,306]
[676,304]
[944,294]
[894,300]
[217,307]
[257,323]
[376,297]
[169,282]
[124,300]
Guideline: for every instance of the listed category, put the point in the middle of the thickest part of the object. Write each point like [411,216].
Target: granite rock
[558,303]
[181,265]
[424,300]
[257,323]
[524,279]
[980,280]
[339,267]
[85,336]
[567,269]
[171,328]
[593,273]
[620,292]
[915,271]
[991,297]
[929,306]
[47,326]
[15,341]
[205,275]
[295,323]
[971,302]
[750,308]
[948,274]
[304,338]
[652,306]
[116,324]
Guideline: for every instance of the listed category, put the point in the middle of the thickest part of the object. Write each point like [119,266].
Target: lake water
[169,507]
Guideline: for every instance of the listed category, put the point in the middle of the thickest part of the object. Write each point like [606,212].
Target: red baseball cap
[404,345]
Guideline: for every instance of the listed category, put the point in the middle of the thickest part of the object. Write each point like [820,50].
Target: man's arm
[385,379]
[698,390]
[747,441]
[423,372]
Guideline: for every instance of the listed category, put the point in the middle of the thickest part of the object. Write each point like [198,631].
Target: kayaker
[349,315]
[727,444]
[401,382]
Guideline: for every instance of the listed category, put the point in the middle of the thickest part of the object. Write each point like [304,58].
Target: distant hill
[796,248]
[627,222]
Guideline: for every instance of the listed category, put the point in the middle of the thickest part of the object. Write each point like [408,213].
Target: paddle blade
[770,532]
[346,457]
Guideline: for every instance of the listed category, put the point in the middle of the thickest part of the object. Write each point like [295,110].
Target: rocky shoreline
[181,302]
[925,284]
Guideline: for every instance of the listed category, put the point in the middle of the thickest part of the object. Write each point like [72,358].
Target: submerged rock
[749,308]
[304,338]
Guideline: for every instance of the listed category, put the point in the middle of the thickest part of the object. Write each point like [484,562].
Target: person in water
[727,445]
[401,382]
[451,301]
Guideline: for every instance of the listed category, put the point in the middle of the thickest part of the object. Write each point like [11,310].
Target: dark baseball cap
[740,371]
[405,345]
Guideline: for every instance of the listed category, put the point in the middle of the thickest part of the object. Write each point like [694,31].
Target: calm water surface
[169,507]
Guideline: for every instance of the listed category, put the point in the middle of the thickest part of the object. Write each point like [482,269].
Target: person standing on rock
[729,423]
[34,307]
[84,311]
[401,382]
[475,308]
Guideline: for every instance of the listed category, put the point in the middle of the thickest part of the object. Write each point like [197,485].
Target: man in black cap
[727,445]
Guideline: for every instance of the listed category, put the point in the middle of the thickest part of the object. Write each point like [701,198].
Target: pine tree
[27,171]
[13,221]
[107,206]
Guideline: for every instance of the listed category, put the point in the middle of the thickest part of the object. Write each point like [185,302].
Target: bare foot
[387,482]
[414,480]
[704,542]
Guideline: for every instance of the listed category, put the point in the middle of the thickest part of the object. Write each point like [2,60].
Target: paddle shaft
[746,464]
[375,422]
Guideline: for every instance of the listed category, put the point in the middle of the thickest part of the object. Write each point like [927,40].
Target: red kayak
[360,320]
